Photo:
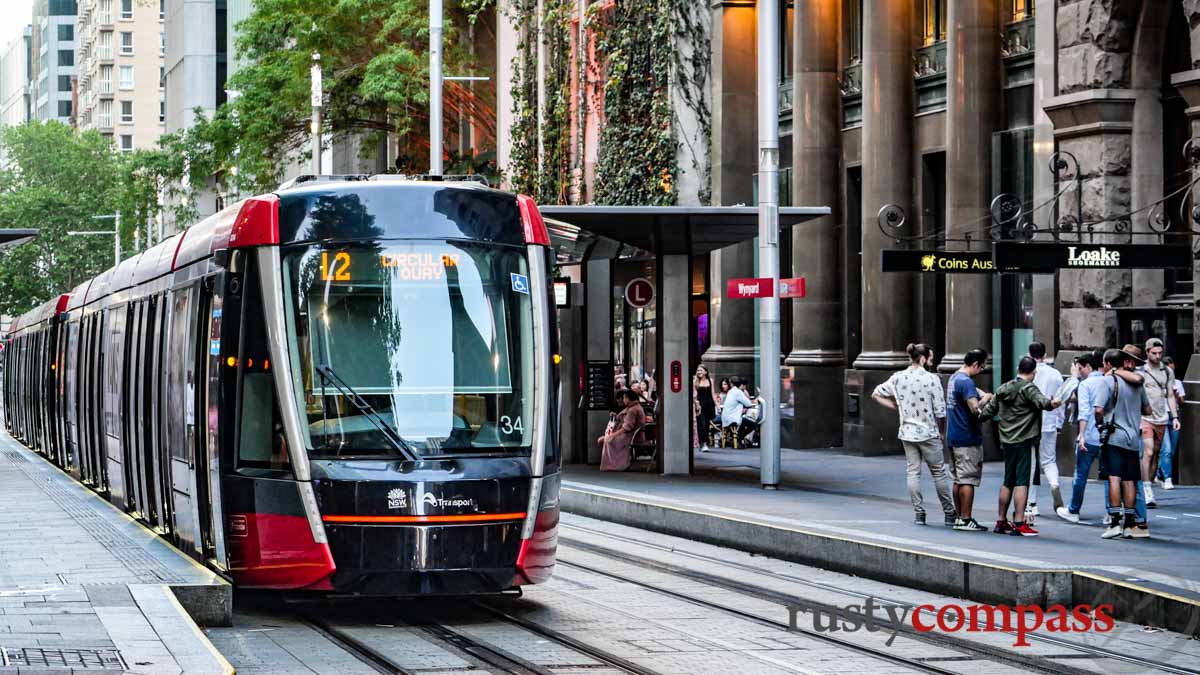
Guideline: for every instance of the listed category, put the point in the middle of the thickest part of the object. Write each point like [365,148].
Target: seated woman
[616,454]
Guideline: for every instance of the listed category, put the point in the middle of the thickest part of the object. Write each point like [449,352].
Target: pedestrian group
[1123,405]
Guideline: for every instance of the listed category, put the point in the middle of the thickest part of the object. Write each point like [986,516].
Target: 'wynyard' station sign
[1048,258]
[1024,258]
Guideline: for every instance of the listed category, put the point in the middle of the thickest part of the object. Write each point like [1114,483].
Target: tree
[55,181]
[374,56]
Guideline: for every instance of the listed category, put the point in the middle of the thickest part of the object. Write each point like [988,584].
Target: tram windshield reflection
[436,337]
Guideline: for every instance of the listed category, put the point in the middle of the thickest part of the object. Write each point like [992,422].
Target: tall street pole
[768,238]
[435,87]
[317,101]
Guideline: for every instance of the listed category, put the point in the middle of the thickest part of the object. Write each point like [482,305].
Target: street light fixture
[115,233]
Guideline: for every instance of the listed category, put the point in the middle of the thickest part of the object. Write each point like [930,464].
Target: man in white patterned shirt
[917,395]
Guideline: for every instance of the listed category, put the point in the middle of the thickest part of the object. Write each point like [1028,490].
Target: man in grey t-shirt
[1120,421]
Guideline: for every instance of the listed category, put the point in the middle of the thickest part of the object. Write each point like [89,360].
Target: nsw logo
[397,498]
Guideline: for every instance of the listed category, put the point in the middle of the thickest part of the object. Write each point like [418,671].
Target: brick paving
[82,586]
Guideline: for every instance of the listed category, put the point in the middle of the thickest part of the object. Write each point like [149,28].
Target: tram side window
[261,443]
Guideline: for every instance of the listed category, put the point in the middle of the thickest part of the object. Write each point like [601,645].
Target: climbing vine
[540,155]
[637,160]
[652,59]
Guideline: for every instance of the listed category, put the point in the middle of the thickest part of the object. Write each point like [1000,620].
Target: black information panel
[1048,258]
[937,262]
[598,385]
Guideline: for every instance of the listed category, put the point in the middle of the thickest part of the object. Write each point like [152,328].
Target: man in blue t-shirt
[965,437]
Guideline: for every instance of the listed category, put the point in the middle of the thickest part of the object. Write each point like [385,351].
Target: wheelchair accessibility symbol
[520,283]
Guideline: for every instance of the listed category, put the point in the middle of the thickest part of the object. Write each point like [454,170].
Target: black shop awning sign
[938,262]
[1027,258]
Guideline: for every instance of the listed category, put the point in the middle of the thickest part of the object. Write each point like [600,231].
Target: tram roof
[664,230]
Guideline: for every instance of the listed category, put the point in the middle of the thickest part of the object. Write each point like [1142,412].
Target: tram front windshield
[433,339]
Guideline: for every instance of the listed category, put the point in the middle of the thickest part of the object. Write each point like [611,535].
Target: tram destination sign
[937,262]
[1048,258]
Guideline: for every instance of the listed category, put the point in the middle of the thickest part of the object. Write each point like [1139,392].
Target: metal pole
[317,101]
[768,237]
[435,87]
[117,236]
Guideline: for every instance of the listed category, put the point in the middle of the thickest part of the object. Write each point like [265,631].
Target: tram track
[984,651]
[482,653]
[725,609]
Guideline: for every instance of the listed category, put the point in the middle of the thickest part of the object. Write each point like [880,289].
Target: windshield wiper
[368,411]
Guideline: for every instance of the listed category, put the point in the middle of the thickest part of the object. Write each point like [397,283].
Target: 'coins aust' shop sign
[934,262]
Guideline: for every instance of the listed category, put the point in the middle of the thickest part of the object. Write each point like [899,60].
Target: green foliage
[55,181]
[635,45]
[637,145]
[547,180]
[375,65]
[375,60]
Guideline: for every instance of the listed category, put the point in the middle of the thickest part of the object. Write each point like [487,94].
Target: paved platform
[853,514]
[85,588]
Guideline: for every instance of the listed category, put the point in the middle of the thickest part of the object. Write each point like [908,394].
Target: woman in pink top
[616,455]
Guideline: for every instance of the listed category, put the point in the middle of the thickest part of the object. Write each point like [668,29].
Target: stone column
[972,108]
[1188,453]
[887,130]
[1095,126]
[817,356]
[734,162]
[888,311]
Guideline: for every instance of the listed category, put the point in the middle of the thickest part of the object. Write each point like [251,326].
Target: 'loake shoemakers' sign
[934,262]
[1048,258]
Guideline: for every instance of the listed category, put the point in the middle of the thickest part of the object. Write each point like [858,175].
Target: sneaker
[970,525]
[1032,510]
[1168,485]
[1114,529]
[1141,531]
[1002,527]
[1148,492]
[1023,530]
[919,519]
[1127,532]
[1151,504]
[958,523]
[952,520]
[1066,515]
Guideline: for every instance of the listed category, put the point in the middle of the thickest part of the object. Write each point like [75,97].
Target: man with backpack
[1119,420]
[1017,408]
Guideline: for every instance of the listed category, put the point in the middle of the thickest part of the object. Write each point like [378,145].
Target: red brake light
[531,219]
[257,223]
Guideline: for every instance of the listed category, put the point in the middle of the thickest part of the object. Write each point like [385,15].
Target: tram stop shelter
[589,239]
[10,238]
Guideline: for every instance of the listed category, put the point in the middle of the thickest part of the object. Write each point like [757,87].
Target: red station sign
[676,377]
[792,288]
[749,288]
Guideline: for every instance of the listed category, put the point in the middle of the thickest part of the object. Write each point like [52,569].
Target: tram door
[208,464]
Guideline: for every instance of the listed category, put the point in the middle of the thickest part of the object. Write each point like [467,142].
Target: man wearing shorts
[1159,384]
[1017,407]
[964,436]
[1121,443]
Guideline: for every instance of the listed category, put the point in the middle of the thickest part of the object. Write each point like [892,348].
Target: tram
[347,385]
